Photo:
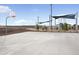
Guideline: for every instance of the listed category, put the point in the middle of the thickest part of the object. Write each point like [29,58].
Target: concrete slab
[40,43]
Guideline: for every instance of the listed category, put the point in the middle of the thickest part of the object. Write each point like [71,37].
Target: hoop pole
[6,26]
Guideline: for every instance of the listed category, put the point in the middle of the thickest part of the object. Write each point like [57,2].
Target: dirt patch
[13,30]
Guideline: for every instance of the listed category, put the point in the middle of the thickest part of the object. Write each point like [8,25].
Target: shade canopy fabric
[43,22]
[69,16]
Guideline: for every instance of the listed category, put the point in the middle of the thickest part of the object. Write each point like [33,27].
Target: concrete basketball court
[40,43]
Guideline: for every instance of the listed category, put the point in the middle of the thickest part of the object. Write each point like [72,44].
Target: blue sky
[26,14]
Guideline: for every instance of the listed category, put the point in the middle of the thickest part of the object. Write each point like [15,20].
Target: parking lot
[40,43]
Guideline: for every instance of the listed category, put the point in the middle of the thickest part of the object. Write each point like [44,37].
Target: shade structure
[43,22]
[69,16]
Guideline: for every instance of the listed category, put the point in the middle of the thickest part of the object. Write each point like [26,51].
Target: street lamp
[11,15]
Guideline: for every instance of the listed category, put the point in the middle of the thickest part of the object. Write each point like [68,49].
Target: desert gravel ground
[40,43]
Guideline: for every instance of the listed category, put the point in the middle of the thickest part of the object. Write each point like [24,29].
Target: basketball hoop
[12,14]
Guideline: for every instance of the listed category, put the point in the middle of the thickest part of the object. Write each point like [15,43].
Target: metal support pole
[38,19]
[51,18]
[77,22]
[61,28]
[49,22]
[38,23]
[6,26]
[55,24]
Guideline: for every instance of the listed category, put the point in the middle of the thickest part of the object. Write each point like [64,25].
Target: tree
[74,26]
[69,26]
[37,26]
[65,26]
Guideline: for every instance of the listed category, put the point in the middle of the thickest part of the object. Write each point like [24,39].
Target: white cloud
[2,24]
[20,22]
[4,9]
[23,22]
